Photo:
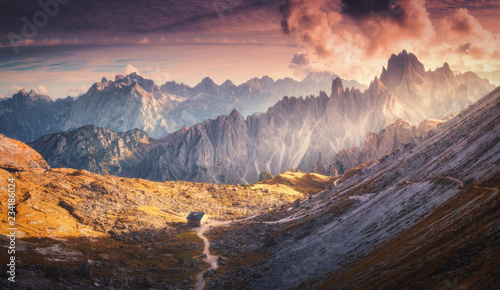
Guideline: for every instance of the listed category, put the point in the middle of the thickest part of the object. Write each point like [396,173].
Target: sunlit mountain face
[60,48]
[310,144]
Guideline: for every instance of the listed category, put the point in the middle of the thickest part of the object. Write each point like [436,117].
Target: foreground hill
[128,233]
[424,216]
[17,156]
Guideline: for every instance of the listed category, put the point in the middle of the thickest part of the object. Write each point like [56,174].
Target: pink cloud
[355,39]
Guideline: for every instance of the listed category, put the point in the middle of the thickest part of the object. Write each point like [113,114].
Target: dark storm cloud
[364,9]
[438,7]
[94,18]
[464,47]
[285,10]
[300,59]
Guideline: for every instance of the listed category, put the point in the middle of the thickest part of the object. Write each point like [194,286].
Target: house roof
[195,215]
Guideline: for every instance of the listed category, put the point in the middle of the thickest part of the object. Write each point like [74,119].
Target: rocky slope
[81,230]
[95,149]
[423,217]
[291,134]
[128,102]
[378,145]
[17,156]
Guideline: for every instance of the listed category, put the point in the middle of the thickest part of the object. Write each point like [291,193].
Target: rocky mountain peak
[207,81]
[376,86]
[135,79]
[337,87]
[403,65]
[228,83]
[235,114]
[175,88]
[263,83]
[319,77]
[207,85]
[31,96]
[446,71]
[267,79]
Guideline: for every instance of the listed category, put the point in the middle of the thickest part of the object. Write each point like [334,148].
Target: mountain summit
[404,67]
[430,94]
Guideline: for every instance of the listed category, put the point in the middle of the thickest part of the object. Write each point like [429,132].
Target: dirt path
[210,259]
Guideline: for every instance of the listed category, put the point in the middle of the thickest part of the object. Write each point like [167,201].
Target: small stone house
[196,219]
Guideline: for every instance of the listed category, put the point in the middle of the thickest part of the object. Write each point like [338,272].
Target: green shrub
[265,176]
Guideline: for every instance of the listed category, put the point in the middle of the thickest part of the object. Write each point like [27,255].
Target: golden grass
[296,184]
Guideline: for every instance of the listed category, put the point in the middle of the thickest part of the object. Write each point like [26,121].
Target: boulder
[269,241]
[54,272]
[192,262]
[84,270]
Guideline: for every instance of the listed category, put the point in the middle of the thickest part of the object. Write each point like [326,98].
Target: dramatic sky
[61,47]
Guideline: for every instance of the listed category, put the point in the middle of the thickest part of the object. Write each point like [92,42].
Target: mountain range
[423,216]
[294,133]
[133,102]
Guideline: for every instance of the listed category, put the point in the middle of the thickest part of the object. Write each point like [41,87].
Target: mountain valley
[81,229]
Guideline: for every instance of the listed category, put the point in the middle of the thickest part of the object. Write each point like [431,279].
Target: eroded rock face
[380,144]
[290,134]
[95,149]
[128,102]
[27,115]
[295,131]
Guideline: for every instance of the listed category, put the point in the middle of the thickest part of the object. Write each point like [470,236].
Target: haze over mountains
[133,102]
[377,145]
[294,133]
